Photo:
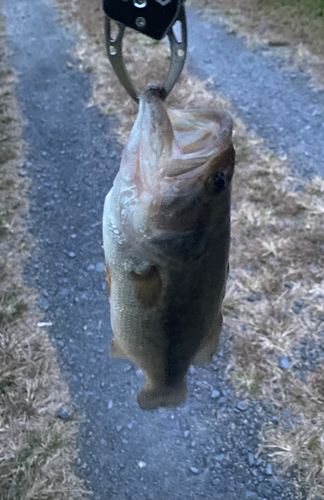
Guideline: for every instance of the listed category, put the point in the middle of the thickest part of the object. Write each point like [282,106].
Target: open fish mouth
[172,143]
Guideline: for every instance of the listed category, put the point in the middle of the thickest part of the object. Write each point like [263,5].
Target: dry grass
[289,26]
[277,253]
[36,449]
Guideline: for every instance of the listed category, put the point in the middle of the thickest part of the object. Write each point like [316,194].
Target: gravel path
[279,105]
[206,448]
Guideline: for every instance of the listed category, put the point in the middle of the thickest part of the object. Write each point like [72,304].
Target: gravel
[251,460]
[288,113]
[284,363]
[63,414]
[268,470]
[241,406]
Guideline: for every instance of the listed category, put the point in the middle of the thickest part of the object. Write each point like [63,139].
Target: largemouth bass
[166,233]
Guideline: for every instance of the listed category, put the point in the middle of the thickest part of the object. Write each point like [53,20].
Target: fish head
[177,165]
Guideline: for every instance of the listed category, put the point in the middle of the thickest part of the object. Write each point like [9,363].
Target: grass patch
[246,382]
[311,8]
[12,305]
[36,449]
[41,452]
[5,383]
[275,301]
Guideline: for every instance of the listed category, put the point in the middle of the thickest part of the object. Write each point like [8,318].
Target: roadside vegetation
[292,28]
[36,448]
[313,9]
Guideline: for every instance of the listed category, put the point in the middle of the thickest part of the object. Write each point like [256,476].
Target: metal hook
[178,55]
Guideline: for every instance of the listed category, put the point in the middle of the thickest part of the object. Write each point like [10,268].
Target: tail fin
[153,398]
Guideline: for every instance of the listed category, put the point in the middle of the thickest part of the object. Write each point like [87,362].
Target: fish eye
[219,182]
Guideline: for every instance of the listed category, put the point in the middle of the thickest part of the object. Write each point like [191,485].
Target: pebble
[119,428]
[222,400]
[141,464]
[251,460]
[284,363]
[110,404]
[71,254]
[220,457]
[289,285]
[268,470]
[296,309]
[186,434]
[215,394]
[63,414]
[264,491]
[90,267]
[254,297]
[194,470]
[250,494]
[43,303]
[241,406]
[100,267]
[286,413]
[259,462]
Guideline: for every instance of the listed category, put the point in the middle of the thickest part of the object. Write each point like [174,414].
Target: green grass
[11,305]
[40,446]
[312,8]
[5,383]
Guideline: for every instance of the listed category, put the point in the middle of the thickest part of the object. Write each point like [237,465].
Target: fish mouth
[175,176]
[171,151]
[173,143]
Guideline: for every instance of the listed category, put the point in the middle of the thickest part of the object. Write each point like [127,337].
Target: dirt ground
[36,448]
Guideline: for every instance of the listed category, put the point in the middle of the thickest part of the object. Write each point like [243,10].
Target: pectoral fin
[147,286]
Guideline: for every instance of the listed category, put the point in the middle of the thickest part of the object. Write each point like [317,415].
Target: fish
[166,240]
